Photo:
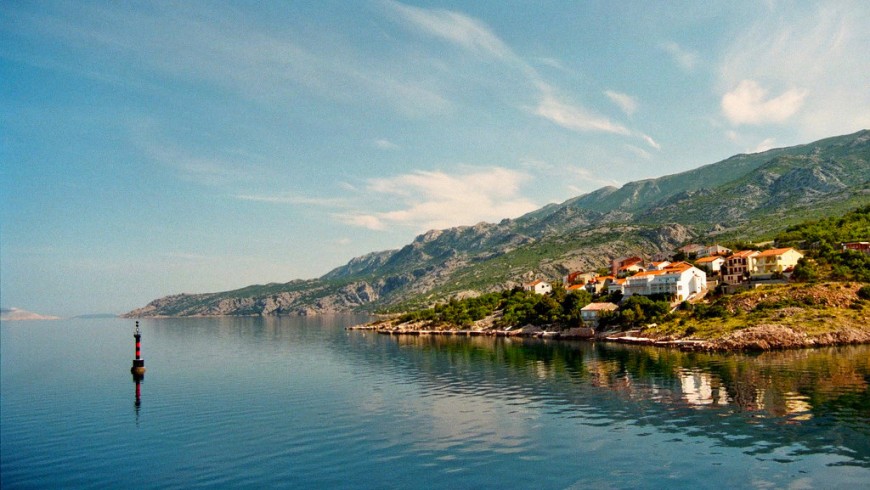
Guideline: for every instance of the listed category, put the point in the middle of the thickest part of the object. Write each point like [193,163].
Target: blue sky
[153,148]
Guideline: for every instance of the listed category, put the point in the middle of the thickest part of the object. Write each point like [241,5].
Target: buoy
[138,369]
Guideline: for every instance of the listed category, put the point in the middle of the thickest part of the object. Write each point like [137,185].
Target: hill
[745,196]
[17,314]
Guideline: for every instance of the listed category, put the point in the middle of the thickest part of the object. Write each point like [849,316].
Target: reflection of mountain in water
[817,399]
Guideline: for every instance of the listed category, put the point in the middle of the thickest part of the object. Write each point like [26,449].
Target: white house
[680,280]
[538,287]
[712,264]
[616,286]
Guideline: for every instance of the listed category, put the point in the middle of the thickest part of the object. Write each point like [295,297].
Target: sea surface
[303,403]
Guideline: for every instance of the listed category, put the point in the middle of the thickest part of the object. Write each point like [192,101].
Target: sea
[301,402]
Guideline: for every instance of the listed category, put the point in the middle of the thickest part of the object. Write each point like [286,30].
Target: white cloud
[461,30]
[748,103]
[639,152]
[765,145]
[385,144]
[627,103]
[810,57]
[650,141]
[575,118]
[291,199]
[684,58]
[426,200]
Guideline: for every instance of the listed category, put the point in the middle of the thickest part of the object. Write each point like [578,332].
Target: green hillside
[743,197]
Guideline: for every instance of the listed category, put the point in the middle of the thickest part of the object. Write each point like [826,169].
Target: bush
[864,292]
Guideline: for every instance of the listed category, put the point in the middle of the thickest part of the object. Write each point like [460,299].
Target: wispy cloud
[639,152]
[808,59]
[223,47]
[653,143]
[426,200]
[684,58]
[454,27]
[292,199]
[193,166]
[475,37]
[575,118]
[627,103]
[749,103]
[385,144]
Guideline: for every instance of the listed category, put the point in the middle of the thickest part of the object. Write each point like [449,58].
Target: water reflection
[759,402]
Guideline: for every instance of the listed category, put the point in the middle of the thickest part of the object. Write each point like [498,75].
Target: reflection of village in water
[793,385]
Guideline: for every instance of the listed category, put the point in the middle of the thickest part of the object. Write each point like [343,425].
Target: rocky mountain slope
[745,196]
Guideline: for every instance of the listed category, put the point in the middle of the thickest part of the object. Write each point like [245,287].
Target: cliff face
[744,196]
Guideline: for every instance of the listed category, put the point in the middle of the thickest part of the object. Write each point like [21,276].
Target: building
[738,266]
[713,250]
[616,286]
[680,281]
[592,312]
[580,277]
[857,246]
[538,287]
[712,264]
[600,284]
[657,266]
[692,249]
[626,265]
[775,261]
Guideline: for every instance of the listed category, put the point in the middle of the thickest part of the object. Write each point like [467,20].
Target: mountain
[17,314]
[742,197]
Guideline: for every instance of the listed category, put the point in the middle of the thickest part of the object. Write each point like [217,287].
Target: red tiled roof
[743,253]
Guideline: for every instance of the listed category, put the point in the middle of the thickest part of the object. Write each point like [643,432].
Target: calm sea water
[302,403]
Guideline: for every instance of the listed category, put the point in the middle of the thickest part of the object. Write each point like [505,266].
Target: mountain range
[747,196]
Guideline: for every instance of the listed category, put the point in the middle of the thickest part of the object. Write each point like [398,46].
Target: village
[665,299]
[703,269]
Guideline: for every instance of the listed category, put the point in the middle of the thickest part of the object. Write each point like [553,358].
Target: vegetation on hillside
[517,307]
[825,258]
[812,304]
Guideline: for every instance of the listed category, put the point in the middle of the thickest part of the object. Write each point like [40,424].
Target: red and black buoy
[138,369]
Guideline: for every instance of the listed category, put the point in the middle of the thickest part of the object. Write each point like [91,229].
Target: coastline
[773,318]
[756,338]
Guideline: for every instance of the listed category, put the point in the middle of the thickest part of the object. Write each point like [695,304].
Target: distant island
[17,314]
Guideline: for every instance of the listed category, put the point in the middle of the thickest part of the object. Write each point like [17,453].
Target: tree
[805,270]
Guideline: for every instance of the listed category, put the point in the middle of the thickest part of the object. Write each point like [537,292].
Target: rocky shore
[757,338]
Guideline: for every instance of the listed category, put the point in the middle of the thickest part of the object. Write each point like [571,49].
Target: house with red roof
[738,266]
[712,264]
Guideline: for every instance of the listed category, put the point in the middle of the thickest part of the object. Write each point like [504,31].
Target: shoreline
[754,339]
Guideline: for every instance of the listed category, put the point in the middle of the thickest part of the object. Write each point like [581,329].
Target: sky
[156,148]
